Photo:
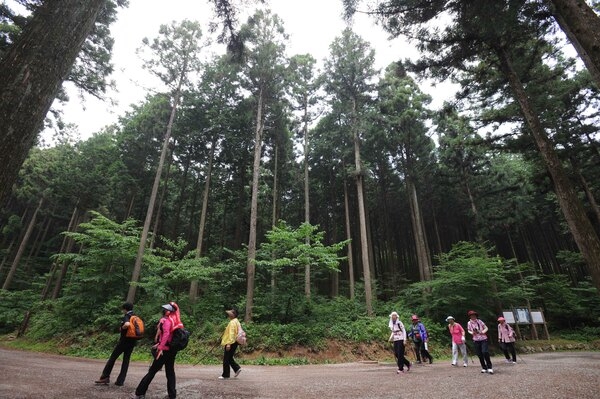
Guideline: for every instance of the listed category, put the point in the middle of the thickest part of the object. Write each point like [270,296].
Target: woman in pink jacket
[458,341]
[163,355]
[506,338]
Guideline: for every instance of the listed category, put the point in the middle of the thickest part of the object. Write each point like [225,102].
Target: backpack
[416,333]
[179,339]
[136,328]
[241,336]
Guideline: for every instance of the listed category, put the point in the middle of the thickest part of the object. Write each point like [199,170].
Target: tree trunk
[250,265]
[580,226]
[161,201]
[63,245]
[194,284]
[31,73]
[364,245]
[17,259]
[306,195]
[423,259]
[348,237]
[582,27]
[137,267]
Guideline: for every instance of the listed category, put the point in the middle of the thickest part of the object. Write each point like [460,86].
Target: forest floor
[542,375]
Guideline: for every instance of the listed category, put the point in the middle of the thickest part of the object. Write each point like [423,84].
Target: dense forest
[305,192]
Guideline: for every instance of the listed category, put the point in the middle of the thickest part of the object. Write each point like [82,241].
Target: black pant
[399,353]
[229,361]
[483,353]
[420,350]
[125,346]
[168,360]
[509,347]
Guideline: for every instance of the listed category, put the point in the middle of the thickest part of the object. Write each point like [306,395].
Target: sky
[311,25]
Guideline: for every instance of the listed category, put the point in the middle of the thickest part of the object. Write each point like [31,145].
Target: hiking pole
[209,352]
[469,353]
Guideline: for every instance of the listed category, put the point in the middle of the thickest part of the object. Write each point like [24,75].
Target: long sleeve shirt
[478,329]
[165,326]
[230,333]
[505,333]
[398,331]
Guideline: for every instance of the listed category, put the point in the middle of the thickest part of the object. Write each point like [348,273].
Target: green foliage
[14,306]
[467,277]
[581,334]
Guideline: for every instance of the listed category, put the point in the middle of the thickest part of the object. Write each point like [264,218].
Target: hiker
[229,344]
[478,330]
[506,338]
[418,333]
[163,355]
[398,336]
[125,346]
[458,341]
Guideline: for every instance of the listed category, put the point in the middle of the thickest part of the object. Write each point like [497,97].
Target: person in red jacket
[163,355]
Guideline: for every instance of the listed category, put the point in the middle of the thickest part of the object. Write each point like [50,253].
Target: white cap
[449,317]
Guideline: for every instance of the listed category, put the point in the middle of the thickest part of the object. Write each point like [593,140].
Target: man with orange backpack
[125,346]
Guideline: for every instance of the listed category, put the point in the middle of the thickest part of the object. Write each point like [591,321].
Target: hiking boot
[103,380]
[134,396]
[490,371]
[237,373]
[464,364]
[223,378]
[418,362]
[454,364]
[408,368]
[508,361]
[119,383]
[483,371]
[430,360]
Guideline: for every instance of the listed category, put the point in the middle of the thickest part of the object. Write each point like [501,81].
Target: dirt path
[548,375]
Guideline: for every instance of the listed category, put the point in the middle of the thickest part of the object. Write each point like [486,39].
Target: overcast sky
[311,24]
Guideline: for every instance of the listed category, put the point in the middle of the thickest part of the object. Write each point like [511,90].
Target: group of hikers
[164,349]
[475,327]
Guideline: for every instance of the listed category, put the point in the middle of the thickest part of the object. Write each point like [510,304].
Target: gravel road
[559,375]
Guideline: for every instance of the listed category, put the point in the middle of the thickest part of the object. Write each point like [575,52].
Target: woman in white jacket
[398,336]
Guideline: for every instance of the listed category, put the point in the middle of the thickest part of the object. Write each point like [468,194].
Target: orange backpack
[136,328]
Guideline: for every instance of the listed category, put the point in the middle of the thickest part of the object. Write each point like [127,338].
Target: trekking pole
[469,353]
[209,352]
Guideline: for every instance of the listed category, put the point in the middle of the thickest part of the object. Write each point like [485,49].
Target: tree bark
[423,258]
[17,259]
[364,245]
[580,226]
[194,284]
[349,237]
[582,27]
[31,73]
[250,264]
[137,267]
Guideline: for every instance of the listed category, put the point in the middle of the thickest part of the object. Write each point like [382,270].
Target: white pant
[463,349]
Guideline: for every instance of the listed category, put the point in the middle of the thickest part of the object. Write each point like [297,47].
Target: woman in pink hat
[506,338]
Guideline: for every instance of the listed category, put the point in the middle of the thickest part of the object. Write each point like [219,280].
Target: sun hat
[471,313]
[501,318]
[449,318]
[394,313]
[414,317]
[168,307]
